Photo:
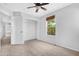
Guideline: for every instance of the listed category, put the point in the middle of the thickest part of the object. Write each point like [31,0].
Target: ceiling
[22,7]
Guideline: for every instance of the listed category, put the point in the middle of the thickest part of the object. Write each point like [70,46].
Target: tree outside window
[51,25]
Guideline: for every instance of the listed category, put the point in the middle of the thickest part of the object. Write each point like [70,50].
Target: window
[51,25]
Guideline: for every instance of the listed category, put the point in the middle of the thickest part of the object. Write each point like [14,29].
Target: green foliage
[51,27]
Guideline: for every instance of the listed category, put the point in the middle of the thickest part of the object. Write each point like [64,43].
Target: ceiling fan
[39,5]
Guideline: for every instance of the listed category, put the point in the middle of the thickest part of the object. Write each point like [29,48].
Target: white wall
[23,28]
[7,29]
[17,28]
[68,27]
[42,31]
[0,25]
[67,30]
[3,19]
[29,29]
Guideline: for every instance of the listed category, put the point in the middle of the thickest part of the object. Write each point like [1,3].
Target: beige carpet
[35,48]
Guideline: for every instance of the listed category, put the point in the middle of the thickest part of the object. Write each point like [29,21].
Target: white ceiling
[22,7]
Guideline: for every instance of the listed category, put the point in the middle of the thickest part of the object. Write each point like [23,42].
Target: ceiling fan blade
[37,10]
[43,8]
[44,4]
[31,7]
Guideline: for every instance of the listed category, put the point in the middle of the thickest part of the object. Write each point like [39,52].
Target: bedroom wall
[42,31]
[3,18]
[29,27]
[67,28]
[23,28]
[7,29]
[17,28]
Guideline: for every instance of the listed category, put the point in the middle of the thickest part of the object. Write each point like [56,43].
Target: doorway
[6,34]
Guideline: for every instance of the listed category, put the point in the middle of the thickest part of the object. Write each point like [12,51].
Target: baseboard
[66,47]
[60,45]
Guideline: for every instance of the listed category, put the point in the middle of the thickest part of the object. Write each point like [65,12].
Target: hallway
[35,48]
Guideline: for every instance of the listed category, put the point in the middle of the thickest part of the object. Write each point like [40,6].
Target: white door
[30,30]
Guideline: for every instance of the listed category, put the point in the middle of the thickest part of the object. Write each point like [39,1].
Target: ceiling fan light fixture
[38,6]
